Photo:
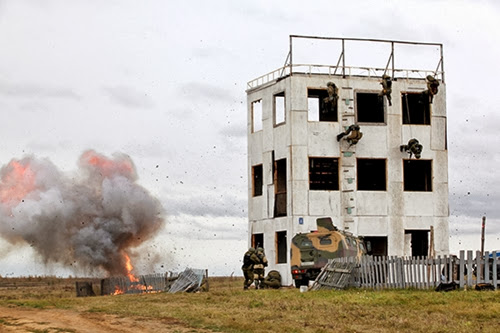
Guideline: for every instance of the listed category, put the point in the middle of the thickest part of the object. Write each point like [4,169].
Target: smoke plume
[89,220]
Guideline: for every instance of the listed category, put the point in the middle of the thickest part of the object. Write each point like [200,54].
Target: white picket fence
[425,273]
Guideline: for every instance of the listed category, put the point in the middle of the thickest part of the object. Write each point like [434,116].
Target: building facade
[379,184]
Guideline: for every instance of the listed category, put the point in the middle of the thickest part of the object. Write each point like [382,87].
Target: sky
[164,83]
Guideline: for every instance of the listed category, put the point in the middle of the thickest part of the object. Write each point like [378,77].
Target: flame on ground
[129,267]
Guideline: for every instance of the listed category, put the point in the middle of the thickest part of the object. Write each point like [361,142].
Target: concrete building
[298,170]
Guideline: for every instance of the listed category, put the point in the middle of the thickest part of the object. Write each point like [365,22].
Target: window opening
[370,108]
[257,180]
[323,173]
[280,188]
[279,108]
[281,247]
[257,116]
[318,107]
[378,245]
[257,240]
[419,242]
[371,174]
[417,175]
[416,110]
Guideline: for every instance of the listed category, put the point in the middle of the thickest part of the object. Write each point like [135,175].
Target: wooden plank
[469,268]
[461,270]
[495,269]
[439,269]
[479,268]
[384,267]
[372,277]
[411,270]
[486,260]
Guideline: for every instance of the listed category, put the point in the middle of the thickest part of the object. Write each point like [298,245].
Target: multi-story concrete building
[300,169]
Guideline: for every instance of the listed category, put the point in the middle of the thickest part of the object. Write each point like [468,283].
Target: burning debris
[190,280]
[90,220]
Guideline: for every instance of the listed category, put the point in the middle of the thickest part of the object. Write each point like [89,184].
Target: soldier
[272,280]
[258,269]
[333,96]
[432,88]
[386,88]
[353,134]
[413,147]
[249,260]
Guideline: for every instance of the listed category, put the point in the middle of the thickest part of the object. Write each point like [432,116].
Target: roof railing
[341,69]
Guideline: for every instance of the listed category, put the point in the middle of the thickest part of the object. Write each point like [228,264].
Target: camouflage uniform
[249,260]
[258,269]
[333,96]
[386,88]
[353,134]
[413,147]
[272,280]
[432,88]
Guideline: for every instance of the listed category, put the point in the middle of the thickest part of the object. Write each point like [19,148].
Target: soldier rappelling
[352,134]
[413,148]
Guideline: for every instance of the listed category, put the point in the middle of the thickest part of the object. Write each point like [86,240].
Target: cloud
[31,90]
[206,91]
[129,97]
[204,203]
[236,131]
[193,227]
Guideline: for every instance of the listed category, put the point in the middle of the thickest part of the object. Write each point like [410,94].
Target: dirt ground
[53,320]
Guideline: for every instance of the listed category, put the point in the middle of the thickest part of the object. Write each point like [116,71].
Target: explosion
[89,220]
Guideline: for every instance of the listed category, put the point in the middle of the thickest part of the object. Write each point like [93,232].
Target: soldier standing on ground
[258,269]
[249,260]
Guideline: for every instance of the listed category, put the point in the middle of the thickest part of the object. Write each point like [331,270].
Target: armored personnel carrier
[311,251]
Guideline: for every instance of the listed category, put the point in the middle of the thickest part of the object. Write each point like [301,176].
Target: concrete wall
[373,213]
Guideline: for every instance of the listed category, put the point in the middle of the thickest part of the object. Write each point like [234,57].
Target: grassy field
[226,307]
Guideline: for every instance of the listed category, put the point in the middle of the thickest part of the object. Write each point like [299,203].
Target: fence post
[495,269]
[461,270]
[479,268]
[486,260]
[469,268]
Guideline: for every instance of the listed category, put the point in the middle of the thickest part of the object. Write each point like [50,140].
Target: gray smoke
[89,220]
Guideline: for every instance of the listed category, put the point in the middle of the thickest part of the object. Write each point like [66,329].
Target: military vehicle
[311,251]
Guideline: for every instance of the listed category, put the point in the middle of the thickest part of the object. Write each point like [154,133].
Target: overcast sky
[164,82]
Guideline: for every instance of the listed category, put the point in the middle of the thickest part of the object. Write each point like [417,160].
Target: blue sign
[301,220]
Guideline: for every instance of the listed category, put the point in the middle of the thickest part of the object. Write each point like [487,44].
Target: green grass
[227,308]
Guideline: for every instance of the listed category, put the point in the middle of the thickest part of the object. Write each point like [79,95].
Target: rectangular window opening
[257,116]
[417,175]
[416,110]
[257,240]
[371,174]
[281,247]
[323,173]
[279,108]
[370,108]
[419,242]
[280,188]
[317,109]
[378,245]
[257,180]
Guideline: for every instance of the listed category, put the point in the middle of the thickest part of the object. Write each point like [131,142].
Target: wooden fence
[425,273]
